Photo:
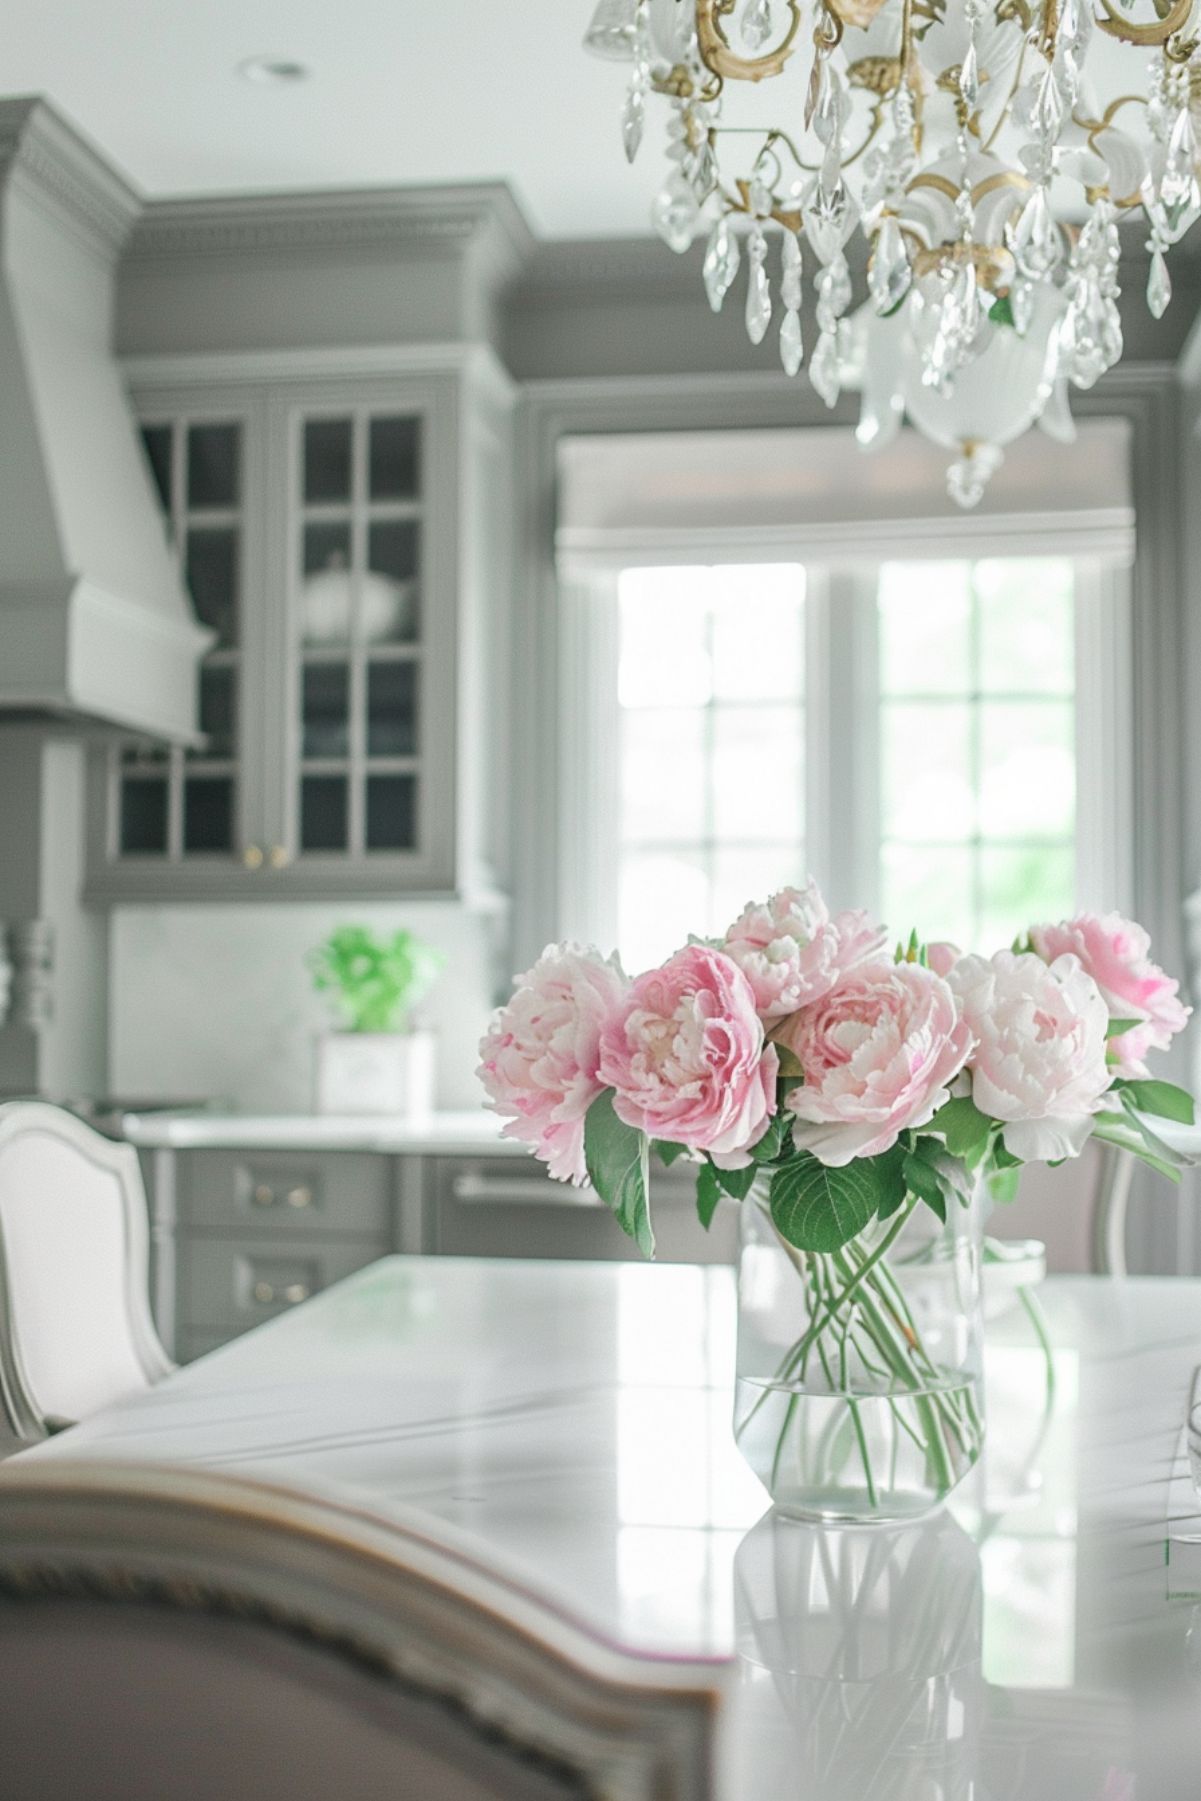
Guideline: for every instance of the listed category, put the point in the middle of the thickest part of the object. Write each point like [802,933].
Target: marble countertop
[466,1133]
[1030,1644]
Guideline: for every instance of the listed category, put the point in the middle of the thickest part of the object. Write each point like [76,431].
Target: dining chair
[173,1631]
[1111,1201]
[75,1325]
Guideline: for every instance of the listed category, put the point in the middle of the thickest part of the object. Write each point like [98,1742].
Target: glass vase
[859,1392]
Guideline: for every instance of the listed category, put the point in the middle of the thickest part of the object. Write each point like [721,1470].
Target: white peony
[1039,1063]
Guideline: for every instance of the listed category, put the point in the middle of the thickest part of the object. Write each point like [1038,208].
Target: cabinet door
[366,639]
[509,1207]
[171,819]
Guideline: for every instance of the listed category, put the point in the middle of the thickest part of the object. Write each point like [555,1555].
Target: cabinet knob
[300,1196]
[280,856]
[264,1293]
[296,1292]
[252,856]
[264,1195]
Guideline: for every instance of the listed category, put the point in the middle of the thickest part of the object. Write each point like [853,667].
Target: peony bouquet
[846,1092]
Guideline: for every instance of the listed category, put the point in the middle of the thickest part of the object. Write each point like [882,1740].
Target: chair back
[75,1326]
[174,1632]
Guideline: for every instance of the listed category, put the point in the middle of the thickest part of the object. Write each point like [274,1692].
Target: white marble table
[573,1418]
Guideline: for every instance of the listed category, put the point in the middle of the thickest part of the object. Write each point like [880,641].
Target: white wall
[215,1001]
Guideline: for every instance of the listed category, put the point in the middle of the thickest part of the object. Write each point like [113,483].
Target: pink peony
[877,1053]
[540,1053]
[1114,951]
[791,950]
[1039,1063]
[686,1055]
[942,956]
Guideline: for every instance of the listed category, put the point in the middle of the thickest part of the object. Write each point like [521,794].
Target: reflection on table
[575,1419]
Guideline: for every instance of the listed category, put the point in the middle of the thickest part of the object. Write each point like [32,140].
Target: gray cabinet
[257,1232]
[344,539]
[508,1207]
[241,1235]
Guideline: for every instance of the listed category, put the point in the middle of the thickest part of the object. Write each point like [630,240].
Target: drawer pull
[475,1189]
[263,1195]
[292,1294]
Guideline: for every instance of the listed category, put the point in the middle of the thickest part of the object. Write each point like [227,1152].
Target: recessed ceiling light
[274,69]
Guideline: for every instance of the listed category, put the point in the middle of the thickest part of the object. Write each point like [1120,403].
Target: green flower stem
[859,1276]
[884,1333]
[860,1436]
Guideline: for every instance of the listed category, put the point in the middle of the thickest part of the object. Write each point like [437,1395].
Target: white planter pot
[376,1072]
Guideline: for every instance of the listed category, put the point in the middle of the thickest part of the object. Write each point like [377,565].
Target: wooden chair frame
[20,1119]
[404,1599]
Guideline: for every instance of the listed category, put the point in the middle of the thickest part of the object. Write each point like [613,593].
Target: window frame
[842,741]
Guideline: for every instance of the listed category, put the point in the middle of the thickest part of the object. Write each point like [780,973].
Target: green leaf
[1001,310]
[708,1194]
[736,1182]
[1162,1098]
[790,1063]
[1116,1027]
[616,1157]
[667,1153]
[772,1142]
[817,1208]
[922,1179]
[1155,1143]
[1121,1130]
[963,1126]
[1003,1184]
[1003,1157]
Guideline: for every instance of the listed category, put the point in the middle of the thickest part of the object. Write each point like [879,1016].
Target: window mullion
[844,739]
[589,737]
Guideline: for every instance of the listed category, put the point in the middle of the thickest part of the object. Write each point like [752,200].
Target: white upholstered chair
[175,1632]
[75,1326]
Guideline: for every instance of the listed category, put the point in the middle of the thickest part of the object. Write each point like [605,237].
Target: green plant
[376,980]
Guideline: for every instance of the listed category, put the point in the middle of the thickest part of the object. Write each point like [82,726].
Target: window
[932,738]
[977,745]
[711,733]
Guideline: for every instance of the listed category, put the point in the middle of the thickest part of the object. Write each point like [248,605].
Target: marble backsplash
[215,1002]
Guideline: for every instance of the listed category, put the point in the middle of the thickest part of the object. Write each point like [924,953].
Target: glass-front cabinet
[319,525]
[178,804]
[357,554]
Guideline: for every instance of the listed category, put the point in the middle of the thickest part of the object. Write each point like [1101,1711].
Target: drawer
[510,1207]
[286,1191]
[239,1284]
[198,1341]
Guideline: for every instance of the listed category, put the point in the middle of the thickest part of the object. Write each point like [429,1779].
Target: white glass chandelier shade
[985,149]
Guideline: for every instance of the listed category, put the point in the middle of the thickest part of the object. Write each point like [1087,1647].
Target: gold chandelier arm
[725,63]
[1148,36]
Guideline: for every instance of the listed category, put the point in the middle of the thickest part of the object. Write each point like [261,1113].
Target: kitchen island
[570,1424]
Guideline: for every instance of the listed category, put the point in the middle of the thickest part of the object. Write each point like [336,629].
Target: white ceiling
[401,91]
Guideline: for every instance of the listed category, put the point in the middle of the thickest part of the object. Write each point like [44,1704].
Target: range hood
[95,623]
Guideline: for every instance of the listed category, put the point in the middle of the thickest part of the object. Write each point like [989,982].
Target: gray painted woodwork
[243,1235]
[95,620]
[53,1041]
[462,401]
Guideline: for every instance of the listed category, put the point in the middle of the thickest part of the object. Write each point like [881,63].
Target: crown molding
[48,162]
[450,219]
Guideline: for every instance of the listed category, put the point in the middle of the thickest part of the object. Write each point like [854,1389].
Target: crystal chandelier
[986,150]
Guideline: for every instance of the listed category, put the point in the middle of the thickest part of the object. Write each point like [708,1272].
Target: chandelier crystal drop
[982,152]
